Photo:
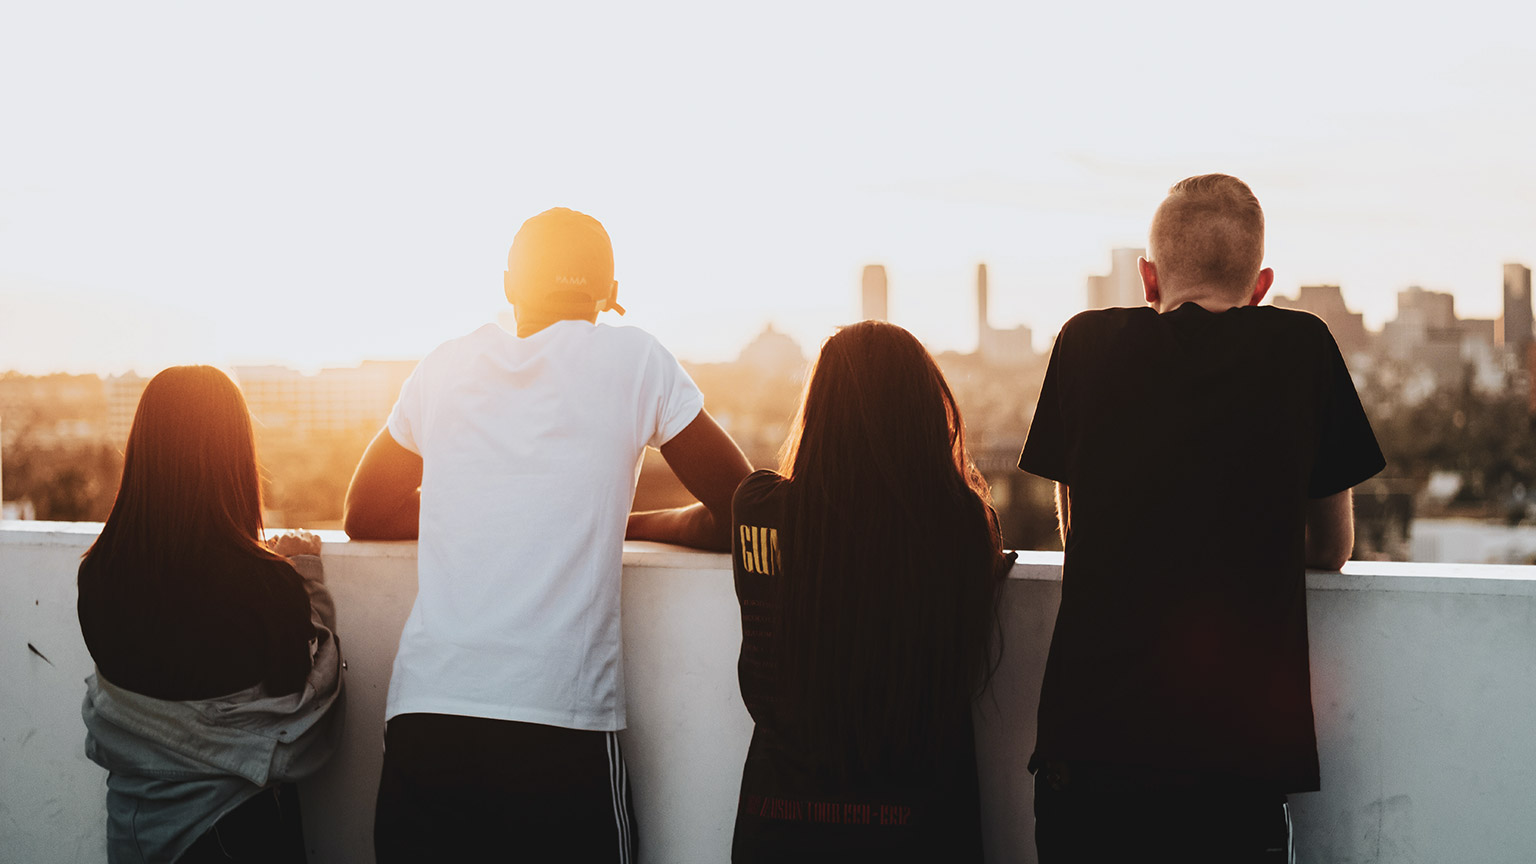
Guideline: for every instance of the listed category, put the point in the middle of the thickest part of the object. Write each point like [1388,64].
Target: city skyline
[216,185]
[770,346]
[1113,282]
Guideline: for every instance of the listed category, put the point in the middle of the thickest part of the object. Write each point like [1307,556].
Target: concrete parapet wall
[1424,683]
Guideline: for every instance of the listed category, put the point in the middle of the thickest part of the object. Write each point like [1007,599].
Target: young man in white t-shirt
[514,459]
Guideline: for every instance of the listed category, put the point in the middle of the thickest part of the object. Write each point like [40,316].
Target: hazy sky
[313,184]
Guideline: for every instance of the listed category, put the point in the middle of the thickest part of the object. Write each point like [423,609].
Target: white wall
[1424,683]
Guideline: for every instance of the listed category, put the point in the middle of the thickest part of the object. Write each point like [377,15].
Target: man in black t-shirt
[1203,448]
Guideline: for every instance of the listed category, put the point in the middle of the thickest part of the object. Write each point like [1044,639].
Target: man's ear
[1261,287]
[1149,285]
[506,286]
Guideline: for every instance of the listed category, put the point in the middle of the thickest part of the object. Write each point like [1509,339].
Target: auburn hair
[190,480]
[887,601]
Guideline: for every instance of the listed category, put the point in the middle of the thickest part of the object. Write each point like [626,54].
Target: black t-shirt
[232,621]
[788,809]
[1191,442]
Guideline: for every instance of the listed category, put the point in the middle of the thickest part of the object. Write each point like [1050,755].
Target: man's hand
[291,543]
[1330,531]
[710,466]
[384,498]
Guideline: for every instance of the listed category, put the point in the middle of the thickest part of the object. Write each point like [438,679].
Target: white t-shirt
[531,450]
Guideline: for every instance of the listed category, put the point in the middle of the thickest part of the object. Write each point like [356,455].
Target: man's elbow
[1330,563]
[704,528]
[1330,531]
[1331,554]
[361,523]
[718,537]
[357,525]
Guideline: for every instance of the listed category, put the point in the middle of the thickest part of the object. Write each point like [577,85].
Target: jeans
[267,829]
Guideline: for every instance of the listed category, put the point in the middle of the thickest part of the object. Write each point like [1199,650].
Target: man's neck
[1210,302]
[530,322]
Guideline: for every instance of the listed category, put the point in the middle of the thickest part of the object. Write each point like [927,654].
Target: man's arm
[1330,531]
[1063,511]
[384,498]
[711,466]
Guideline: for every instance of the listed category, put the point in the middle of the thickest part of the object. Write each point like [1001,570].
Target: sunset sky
[314,184]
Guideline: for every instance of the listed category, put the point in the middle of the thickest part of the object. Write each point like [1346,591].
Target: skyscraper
[981,301]
[1514,329]
[999,347]
[874,292]
[1122,285]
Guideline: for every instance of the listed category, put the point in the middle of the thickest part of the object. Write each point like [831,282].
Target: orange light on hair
[190,480]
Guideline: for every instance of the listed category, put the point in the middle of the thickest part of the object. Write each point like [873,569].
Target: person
[867,574]
[514,458]
[1203,448]
[218,672]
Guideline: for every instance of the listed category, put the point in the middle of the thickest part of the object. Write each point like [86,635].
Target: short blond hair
[1209,231]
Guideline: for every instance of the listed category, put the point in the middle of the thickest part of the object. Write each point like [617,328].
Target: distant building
[1514,328]
[333,400]
[1014,347]
[1425,320]
[875,293]
[1122,285]
[982,324]
[123,392]
[1327,303]
[281,398]
[774,353]
[1426,335]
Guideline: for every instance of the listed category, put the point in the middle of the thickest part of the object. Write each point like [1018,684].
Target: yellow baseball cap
[561,262]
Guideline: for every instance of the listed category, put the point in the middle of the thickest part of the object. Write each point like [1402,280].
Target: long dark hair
[890,558]
[190,481]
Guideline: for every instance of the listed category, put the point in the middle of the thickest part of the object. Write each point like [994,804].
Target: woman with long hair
[867,571]
[216,661]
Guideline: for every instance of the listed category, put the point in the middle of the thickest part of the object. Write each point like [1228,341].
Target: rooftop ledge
[1043,566]
[1424,689]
